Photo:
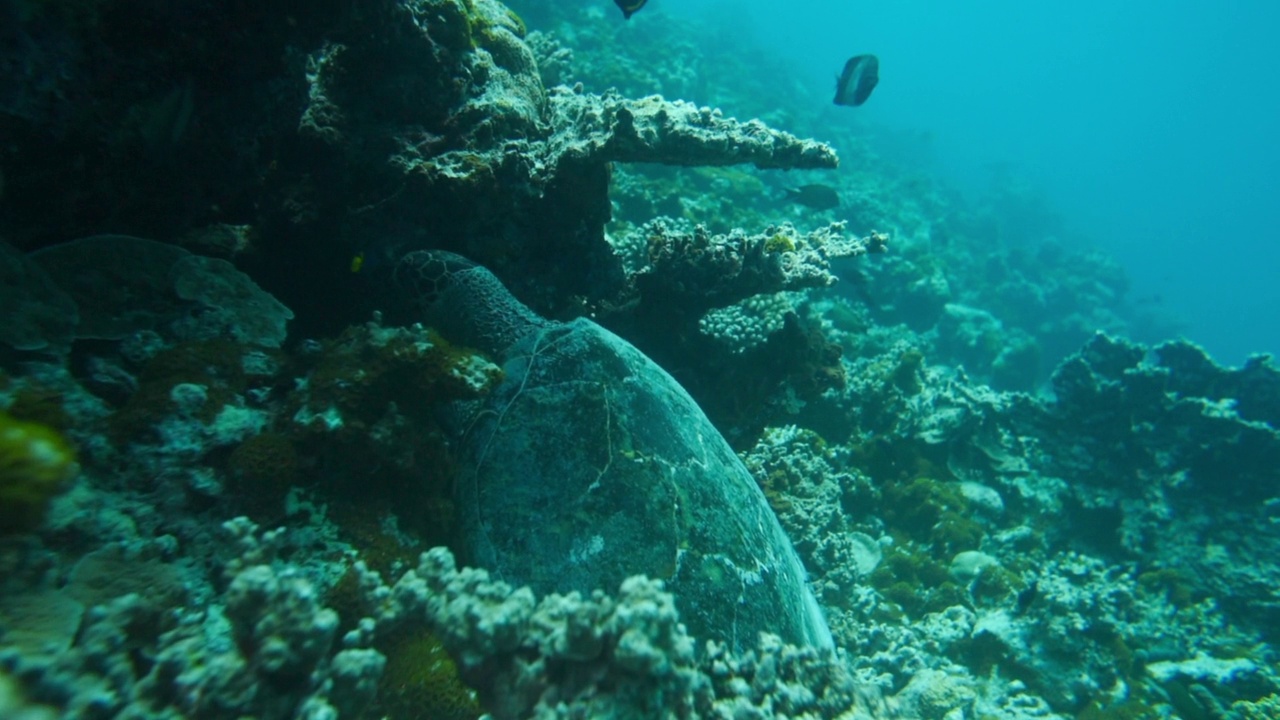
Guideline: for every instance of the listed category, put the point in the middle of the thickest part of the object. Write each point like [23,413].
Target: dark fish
[629,7]
[857,81]
[818,197]
[1026,597]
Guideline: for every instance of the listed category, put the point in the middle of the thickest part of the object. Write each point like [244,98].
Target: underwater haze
[1149,126]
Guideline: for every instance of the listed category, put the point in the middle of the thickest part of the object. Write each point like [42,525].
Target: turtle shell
[589,463]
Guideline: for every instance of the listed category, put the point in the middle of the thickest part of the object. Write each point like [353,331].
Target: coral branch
[693,273]
[612,128]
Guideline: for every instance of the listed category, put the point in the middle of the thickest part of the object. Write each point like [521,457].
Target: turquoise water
[1148,126]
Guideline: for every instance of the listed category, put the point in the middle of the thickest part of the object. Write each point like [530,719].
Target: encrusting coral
[567,656]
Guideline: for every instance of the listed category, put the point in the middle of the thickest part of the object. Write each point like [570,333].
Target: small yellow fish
[357,262]
[629,7]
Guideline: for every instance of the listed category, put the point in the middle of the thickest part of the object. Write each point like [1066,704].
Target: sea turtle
[589,463]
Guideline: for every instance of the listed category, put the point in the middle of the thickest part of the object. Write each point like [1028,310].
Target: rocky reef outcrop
[333,132]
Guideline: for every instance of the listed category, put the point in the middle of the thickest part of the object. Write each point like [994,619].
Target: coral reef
[437,146]
[688,274]
[505,130]
[627,655]
[1180,393]
[265,648]
[987,537]
[756,379]
[964,489]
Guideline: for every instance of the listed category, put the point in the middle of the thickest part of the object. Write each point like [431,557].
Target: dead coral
[691,273]
[610,128]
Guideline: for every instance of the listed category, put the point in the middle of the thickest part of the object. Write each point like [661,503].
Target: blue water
[1149,126]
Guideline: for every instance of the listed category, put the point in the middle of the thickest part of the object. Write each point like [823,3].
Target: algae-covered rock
[590,463]
[119,285]
[38,315]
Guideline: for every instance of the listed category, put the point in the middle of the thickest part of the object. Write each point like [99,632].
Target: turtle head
[466,302]
[425,277]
